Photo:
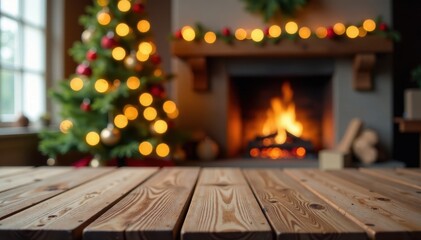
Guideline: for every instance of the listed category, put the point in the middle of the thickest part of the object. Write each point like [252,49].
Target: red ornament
[226,32]
[178,34]
[108,41]
[138,8]
[91,55]
[266,31]
[157,91]
[383,27]
[84,69]
[330,33]
[156,59]
[86,105]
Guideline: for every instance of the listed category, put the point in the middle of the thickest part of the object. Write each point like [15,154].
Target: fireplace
[281,116]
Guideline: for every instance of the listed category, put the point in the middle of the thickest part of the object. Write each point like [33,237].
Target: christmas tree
[115,104]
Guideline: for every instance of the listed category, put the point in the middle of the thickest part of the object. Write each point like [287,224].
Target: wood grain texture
[154,210]
[395,175]
[381,216]
[20,198]
[296,213]
[35,175]
[392,190]
[64,216]
[413,171]
[224,207]
[7,171]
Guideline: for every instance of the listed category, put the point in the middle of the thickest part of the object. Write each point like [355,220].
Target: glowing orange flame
[281,116]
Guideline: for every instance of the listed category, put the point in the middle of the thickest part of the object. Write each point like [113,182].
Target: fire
[281,117]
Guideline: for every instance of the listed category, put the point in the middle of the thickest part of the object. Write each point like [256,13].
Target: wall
[206,108]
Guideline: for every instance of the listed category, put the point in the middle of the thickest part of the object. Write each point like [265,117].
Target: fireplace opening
[288,117]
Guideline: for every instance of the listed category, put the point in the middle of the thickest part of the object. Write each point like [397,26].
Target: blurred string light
[76,84]
[162,150]
[124,5]
[133,83]
[143,26]
[65,125]
[92,138]
[145,148]
[188,33]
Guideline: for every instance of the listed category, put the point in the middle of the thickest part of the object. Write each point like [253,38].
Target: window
[22,60]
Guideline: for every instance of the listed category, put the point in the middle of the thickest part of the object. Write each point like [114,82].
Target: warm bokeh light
[124,5]
[142,57]
[291,27]
[210,37]
[275,31]
[300,152]
[362,32]
[257,35]
[160,126]
[150,113]
[76,84]
[321,32]
[162,150]
[145,99]
[92,138]
[102,3]
[304,32]
[120,121]
[118,53]
[130,112]
[65,126]
[188,33]
[240,34]
[145,148]
[173,115]
[103,17]
[133,83]
[143,26]
[339,28]
[369,25]
[157,72]
[122,29]
[169,107]
[145,48]
[352,31]
[101,85]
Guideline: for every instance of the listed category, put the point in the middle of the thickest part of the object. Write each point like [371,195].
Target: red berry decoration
[178,34]
[84,69]
[138,8]
[86,105]
[330,33]
[91,55]
[383,27]
[156,59]
[108,41]
[157,90]
[226,32]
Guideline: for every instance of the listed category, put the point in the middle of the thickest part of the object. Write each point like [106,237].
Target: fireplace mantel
[363,50]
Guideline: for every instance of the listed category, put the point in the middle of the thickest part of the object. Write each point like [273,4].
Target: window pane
[9,48]
[34,12]
[10,7]
[7,89]
[34,49]
[33,96]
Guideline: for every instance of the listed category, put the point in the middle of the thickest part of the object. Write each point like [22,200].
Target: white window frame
[21,69]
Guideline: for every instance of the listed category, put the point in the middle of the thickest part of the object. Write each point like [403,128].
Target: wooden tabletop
[209,203]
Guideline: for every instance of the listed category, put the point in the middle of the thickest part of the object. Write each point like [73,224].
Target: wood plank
[395,175]
[224,207]
[380,216]
[404,195]
[64,216]
[154,210]
[307,48]
[34,175]
[7,171]
[20,198]
[296,213]
[413,171]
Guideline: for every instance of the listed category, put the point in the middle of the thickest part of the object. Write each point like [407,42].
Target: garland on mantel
[291,30]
